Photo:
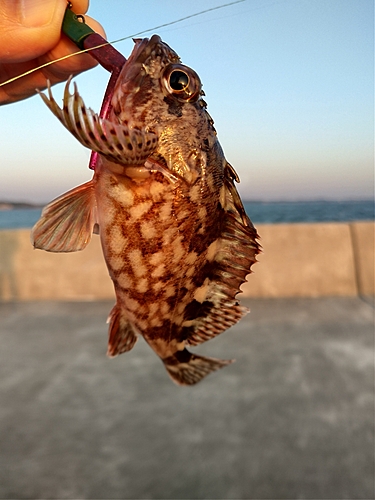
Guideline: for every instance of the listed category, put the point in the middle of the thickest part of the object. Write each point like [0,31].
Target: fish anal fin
[121,334]
[186,368]
[67,223]
[217,321]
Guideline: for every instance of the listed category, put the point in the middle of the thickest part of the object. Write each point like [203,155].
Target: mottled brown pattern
[174,233]
[173,267]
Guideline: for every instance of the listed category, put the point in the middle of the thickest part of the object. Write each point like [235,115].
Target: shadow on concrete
[292,418]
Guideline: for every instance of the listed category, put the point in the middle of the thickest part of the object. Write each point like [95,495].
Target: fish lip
[134,70]
[144,49]
[139,65]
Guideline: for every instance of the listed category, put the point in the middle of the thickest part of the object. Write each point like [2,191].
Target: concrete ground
[292,418]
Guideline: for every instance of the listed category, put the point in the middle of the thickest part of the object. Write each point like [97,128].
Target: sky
[289,84]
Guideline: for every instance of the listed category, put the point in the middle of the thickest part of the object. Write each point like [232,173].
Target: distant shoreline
[15,215]
[20,205]
[10,205]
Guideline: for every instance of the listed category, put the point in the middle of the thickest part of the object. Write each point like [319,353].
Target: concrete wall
[298,260]
[312,260]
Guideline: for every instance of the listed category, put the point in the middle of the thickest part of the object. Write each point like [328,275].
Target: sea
[260,212]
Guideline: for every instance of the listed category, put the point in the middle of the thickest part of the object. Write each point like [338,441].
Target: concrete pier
[292,418]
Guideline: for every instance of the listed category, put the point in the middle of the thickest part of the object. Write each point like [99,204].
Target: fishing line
[222,6]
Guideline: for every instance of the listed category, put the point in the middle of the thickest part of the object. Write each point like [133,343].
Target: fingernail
[36,13]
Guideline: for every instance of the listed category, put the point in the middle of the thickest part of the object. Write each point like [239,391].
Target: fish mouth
[152,47]
[144,47]
[138,64]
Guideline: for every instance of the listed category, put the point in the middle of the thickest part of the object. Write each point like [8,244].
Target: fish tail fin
[186,368]
[121,333]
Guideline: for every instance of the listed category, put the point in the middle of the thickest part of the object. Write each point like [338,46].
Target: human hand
[30,35]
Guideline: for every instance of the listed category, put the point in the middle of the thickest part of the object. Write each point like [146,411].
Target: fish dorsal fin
[118,143]
[121,333]
[229,260]
[67,223]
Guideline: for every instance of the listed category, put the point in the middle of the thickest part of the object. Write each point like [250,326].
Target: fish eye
[181,82]
[178,80]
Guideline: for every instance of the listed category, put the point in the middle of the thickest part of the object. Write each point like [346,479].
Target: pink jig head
[112,60]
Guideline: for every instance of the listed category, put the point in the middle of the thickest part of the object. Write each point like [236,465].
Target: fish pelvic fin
[119,143]
[67,223]
[186,368]
[121,333]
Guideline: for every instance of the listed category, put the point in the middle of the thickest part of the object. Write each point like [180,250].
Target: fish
[175,236]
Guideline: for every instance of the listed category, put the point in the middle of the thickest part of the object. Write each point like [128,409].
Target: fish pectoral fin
[186,368]
[230,175]
[121,333]
[67,223]
[117,142]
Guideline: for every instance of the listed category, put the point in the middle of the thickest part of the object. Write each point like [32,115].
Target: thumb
[29,28]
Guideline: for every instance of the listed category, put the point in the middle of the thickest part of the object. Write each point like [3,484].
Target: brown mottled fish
[175,236]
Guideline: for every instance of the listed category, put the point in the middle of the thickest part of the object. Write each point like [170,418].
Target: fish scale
[175,237]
